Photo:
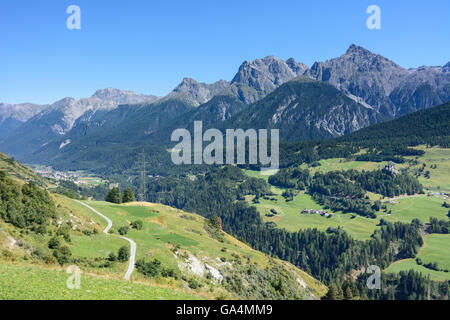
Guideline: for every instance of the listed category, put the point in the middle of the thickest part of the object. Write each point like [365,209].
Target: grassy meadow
[19,282]
[435,249]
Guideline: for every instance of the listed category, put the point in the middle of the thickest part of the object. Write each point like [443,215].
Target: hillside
[176,250]
[304,109]
[424,126]
[18,171]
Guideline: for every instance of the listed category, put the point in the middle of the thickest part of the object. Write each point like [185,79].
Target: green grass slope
[28,282]
[183,242]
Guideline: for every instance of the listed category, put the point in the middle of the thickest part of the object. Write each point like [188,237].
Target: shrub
[54,243]
[194,284]
[112,257]
[123,230]
[123,254]
[138,224]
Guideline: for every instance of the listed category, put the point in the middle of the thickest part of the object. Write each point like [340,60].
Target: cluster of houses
[57,175]
[323,213]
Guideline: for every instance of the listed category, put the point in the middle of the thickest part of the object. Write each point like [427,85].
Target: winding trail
[132,243]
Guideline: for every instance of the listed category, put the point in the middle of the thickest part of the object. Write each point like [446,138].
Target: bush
[54,243]
[62,255]
[25,207]
[149,268]
[138,224]
[123,230]
[124,254]
[194,284]
[112,257]
[154,268]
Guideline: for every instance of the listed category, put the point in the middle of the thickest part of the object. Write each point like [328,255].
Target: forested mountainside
[384,141]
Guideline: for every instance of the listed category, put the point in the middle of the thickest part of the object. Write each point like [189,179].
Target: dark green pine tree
[128,196]
[114,196]
[348,294]
[332,293]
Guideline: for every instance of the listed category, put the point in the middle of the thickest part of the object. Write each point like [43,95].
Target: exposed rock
[381,83]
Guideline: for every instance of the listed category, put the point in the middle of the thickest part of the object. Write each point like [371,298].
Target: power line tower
[143,176]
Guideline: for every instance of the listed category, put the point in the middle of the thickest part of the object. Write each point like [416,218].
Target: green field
[100,245]
[421,207]
[435,249]
[37,283]
[440,176]
[334,164]
[404,209]
[166,226]
[290,217]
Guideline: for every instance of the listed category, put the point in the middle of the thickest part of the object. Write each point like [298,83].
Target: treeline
[116,196]
[25,206]
[438,226]
[74,191]
[388,141]
[405,285]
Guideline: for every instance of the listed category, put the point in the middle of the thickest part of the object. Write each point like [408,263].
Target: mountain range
[330,99]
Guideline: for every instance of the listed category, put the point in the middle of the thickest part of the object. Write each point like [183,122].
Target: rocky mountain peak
[186,84]
[354,49]
[263,76]
[197,93]
[446,68]
[110,93]
[361,74]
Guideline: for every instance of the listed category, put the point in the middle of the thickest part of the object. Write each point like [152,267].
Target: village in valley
[77,177]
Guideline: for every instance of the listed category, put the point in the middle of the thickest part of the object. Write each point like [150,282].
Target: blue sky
[148,46]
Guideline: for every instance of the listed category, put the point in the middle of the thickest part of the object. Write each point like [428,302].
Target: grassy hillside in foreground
[180,241]
[176,250]
[183,242]
[28,282]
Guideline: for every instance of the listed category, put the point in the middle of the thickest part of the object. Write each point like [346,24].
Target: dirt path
[132,243]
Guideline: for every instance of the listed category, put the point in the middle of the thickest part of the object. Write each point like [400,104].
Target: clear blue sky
[148,46]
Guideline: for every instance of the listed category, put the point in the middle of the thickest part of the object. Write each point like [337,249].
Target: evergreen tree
[348,294]
[332,293]
[114,196]
[128,196]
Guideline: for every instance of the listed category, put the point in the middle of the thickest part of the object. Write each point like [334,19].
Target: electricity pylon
[143,176]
